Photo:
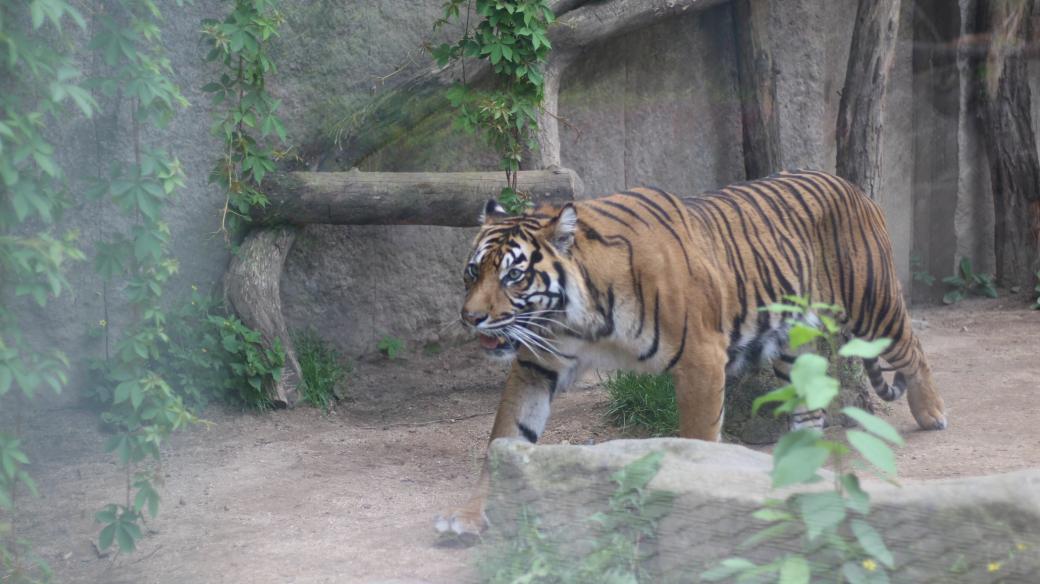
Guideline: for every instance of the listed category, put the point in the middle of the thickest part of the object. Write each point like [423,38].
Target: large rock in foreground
[984,529]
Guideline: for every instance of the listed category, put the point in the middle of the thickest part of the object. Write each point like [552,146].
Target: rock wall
[657,106]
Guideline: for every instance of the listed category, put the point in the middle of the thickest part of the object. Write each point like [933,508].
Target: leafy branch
[837,540]
[512,36]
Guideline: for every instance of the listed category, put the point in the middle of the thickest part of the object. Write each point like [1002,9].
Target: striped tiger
[648,281]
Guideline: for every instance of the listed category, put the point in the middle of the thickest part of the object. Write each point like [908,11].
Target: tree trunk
[251,288]
[862,101]
[762,154]
[1014,167]
[402,198]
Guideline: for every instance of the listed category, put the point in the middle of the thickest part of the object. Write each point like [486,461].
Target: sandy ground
[298,496]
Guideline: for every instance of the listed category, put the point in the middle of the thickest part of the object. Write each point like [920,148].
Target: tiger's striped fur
[648,281]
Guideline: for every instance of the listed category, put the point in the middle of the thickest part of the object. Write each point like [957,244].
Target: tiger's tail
[913,377]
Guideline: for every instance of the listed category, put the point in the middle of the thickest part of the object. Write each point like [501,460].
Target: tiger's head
[516,278]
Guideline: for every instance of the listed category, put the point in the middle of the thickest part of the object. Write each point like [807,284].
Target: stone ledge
[943,531]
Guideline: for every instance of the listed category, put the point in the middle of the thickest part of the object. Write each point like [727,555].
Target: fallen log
[452,199]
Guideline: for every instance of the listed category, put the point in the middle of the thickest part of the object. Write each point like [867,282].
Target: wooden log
[1007,120]
[251,289]
[402,198]
[862,101]
[758,107]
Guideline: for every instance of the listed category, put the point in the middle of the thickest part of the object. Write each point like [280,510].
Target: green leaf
[821,512]
[772,515]
[801,334]
[5,379]
[727,569]
[769,533]
[794,570]
[864,349]
[782,308]
[638,473]
[875,451]
[809,376]
[874,424]
[125,536]
[107,535]
[782,394]
[854,573]
[797,457]
[872,543]
[856,498]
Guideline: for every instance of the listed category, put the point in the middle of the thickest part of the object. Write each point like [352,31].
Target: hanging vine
[143,409]
[40,85]
[243,107]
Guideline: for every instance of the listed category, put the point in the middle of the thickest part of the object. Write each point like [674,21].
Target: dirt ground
[302,497]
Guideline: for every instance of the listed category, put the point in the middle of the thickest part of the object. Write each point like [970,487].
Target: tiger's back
[808,234]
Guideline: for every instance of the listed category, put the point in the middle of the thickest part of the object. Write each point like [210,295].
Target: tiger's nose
[473,318]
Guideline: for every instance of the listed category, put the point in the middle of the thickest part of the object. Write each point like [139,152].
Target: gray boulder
[983,529]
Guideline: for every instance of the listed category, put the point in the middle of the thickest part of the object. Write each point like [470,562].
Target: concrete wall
[656,107]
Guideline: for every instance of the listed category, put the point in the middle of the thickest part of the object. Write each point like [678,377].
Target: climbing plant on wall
[245,118]
[511,35]
[143,408]
[40,87]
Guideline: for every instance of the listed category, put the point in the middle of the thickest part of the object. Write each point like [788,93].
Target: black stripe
[657,330]
[647,200]
[549,374]
[664,220]
[626,210]
[671,199]
[527,432]
[682,344]
[612,216]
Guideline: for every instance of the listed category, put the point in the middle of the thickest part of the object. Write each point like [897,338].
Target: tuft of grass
[643,403]
[390,346]
[322,369]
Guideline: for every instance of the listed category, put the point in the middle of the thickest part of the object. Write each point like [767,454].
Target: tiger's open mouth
[496,344]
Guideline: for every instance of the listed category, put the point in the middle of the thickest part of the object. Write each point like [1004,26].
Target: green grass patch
[322,367]
[641,403]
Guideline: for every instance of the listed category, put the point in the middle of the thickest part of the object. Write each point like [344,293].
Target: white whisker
[540,320]
[536,339]
[526,335]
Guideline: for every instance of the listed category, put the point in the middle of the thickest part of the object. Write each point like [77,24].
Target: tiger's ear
[563,228]
[491,211]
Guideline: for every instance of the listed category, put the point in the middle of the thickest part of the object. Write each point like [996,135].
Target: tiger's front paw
[465,524]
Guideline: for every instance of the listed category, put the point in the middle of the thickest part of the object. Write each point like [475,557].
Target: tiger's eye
[471,272]
[514,274]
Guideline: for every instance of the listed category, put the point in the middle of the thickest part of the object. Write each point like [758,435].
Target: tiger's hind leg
[913,377]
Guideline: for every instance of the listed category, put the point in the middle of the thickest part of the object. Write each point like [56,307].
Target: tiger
[648,281]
